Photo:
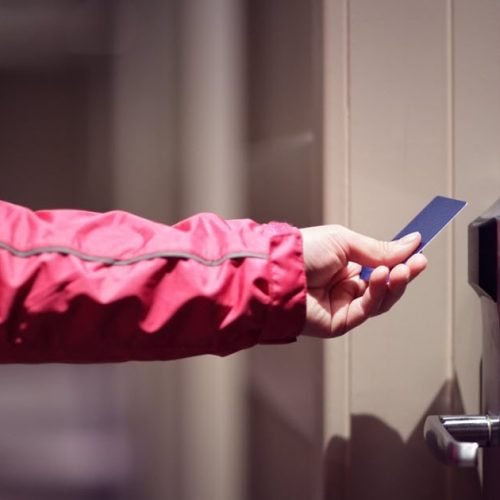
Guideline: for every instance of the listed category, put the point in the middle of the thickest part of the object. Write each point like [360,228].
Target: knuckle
[386,250]
[338,244]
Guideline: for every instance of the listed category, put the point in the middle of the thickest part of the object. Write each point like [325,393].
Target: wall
[411,96]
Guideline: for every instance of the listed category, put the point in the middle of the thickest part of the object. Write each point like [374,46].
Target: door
[412,109]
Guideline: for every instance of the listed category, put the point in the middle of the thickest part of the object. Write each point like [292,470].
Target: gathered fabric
[78,286]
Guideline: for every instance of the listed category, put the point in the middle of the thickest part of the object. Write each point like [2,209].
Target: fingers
[384,289]
[399,277]
[416,263]
[371,252]
[375,292]
[370,302]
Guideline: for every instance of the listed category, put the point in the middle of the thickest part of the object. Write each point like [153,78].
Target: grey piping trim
[126,262]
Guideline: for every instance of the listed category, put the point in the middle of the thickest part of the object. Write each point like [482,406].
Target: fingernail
[409,238]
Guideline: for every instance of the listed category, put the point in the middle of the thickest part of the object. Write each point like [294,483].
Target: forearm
[85,287]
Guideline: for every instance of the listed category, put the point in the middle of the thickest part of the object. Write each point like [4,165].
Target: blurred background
[310,111]
[164,108]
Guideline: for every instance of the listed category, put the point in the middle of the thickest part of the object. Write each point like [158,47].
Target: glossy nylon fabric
[79,286]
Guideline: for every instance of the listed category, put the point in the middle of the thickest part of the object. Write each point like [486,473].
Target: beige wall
[411,107]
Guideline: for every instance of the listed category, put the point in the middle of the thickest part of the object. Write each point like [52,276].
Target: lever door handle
[455,439]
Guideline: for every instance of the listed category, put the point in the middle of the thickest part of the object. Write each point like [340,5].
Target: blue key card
[429,222]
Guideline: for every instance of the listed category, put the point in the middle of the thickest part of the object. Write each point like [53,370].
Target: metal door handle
[455,439]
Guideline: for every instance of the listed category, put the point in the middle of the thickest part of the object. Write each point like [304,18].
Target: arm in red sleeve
[85,287]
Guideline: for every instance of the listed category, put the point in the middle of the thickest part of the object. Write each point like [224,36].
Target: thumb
[371,252]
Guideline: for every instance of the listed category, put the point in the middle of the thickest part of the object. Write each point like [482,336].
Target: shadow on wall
[395,468]
[284,421]
[281,456]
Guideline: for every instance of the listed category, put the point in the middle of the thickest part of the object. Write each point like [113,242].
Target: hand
[337,299]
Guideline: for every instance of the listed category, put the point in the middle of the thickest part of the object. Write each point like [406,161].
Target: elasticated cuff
[287,280]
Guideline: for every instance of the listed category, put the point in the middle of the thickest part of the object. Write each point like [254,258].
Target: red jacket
[78,286]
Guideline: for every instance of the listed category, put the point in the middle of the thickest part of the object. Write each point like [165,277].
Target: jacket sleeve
[86,287]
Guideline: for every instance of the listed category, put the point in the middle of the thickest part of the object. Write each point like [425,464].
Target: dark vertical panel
[47,147]
[42,136]
[284,172]
[284,110]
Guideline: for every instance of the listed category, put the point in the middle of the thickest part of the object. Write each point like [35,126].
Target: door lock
[455,439]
